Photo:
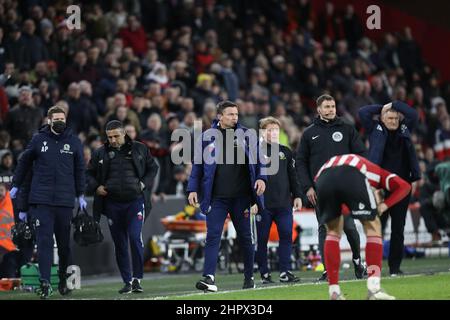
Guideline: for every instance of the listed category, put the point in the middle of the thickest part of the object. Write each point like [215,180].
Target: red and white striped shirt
[377,176]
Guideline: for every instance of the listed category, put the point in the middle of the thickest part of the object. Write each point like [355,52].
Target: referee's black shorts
[344,185]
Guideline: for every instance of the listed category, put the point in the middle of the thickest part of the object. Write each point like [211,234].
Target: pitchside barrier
[100,259]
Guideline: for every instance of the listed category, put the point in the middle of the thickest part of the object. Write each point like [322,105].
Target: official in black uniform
[328,136]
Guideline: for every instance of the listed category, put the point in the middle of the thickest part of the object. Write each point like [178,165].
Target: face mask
[58,126]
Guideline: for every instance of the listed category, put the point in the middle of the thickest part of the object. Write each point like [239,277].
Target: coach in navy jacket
[378,134]
[392,149]
[201,179]
[224,188]
[55,157]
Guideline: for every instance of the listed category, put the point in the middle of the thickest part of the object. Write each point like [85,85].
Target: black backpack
[86,230]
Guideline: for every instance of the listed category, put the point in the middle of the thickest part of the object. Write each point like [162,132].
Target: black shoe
[249,283]
[360,269]
[126,289]
[266,278]
[397,273]
[45,290]
[288,277]
[62,285]
[136,286]
[323,277]
[206,284]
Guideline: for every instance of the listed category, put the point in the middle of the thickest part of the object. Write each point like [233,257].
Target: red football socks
[332,258]
[374,255]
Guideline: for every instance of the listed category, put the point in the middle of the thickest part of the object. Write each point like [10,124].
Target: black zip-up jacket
[98,172]
[284,183]
[321,141]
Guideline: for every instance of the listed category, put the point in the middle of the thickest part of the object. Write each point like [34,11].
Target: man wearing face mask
[55,157]
[392,149]
[327,137]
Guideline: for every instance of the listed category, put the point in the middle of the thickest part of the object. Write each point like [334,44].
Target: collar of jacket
[215,125]
[46,129]
[336,121]
[402,130]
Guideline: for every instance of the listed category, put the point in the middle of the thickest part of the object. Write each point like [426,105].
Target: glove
[23,216]
[82,202]
[13,192]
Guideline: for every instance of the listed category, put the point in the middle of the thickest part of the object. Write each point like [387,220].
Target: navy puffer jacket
[58,168]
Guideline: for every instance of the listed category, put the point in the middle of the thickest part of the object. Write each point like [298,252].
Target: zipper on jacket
[54,176]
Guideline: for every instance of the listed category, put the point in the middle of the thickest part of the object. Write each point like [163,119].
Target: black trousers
[434,220]
[349,230]
[398,218]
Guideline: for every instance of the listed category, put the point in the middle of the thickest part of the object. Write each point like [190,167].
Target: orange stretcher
[184,225]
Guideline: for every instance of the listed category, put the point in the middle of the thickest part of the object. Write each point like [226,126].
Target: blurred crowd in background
[161,65]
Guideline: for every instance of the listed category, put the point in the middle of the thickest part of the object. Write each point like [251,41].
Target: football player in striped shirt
[351,184]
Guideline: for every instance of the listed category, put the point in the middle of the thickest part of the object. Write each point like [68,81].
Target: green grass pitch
[427,279]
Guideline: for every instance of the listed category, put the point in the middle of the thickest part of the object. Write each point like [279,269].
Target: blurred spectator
[6,167]
[82,113]
[178,182]
[431,209]
[16,47]
[116,18]
[203,91]
[97,23]
[79,71]
[353,28]
[276,58]
[355,100]
[34,46]
[134,36]
[130,130]
[25,118]
[123,113]
[442,139]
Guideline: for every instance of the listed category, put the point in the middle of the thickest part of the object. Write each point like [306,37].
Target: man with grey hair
[392,149]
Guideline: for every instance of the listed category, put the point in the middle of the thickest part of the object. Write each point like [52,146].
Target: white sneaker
[337,296]
[379,295]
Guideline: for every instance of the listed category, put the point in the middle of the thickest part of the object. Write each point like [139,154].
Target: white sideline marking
[280,286]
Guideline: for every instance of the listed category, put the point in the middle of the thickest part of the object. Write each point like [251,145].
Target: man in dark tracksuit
[392,149]
[121,174]
[55,156]
[328,136]
[228,187]
[277,202]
